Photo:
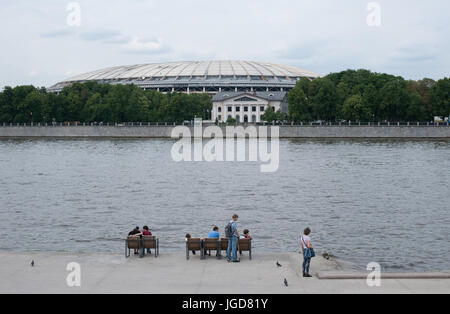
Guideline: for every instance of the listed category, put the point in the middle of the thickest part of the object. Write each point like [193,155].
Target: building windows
[230,109]
[261,108]
[254,118]
[219,118]
[220,109]
[254,108]
[238,109]
[245,109]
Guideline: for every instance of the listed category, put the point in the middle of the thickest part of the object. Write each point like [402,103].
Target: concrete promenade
[424,132]
[172,273]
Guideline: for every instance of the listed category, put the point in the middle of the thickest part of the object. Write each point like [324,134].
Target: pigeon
[32,263]
[326,256]
[279,265]
[286,282]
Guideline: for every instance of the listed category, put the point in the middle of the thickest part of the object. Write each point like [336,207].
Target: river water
[365,200]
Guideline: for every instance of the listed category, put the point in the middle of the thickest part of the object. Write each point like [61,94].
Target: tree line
[366,96]
[94,102]
[349,95]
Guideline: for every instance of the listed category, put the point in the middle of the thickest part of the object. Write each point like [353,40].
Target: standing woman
[308,252]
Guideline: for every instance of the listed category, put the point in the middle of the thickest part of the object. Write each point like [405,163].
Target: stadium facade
[210,77]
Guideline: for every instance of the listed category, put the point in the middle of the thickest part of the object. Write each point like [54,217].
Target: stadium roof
[198,75]
[195,69]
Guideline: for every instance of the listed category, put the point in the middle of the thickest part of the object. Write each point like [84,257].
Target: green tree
[324,99]
[440,98]
[7,108]
[231,121]
[423,88]
[355,109]
[299,107]
[416,109]
[394,100]
[269,115]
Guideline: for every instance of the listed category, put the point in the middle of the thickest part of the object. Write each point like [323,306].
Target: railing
[286,124]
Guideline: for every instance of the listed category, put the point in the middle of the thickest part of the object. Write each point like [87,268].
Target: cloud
[413,52]
[33,73]
[322,36]
[99,35]
[136,45]
[64,32]
[105,36]
[132,44]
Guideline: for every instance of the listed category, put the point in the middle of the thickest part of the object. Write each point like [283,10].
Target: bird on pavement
[286,282]
[279,265]
[32,263]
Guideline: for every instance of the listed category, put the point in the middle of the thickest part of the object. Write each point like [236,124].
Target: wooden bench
[132,243]
[212,244]
[224,244]
[194,244]
[150,242]
[141,243]
[245,245]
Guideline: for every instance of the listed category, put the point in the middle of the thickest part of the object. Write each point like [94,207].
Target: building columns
[258,118]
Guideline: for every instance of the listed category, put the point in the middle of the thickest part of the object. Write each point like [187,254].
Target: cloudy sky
[41,43]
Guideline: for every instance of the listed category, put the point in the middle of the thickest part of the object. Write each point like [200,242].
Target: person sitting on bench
[188,236]
[214,234]
[147,232]
[135,233]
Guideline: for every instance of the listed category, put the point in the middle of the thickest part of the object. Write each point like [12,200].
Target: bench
[132,243]
[212,244]
[141,243]
[224,244]
[150,242]
[245,245]
[194,244]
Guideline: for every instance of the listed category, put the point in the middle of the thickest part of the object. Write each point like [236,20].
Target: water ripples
[365,200]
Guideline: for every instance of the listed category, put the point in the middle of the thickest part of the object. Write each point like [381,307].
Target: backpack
[229,230]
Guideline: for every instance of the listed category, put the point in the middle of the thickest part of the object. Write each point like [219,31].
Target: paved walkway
[172,273]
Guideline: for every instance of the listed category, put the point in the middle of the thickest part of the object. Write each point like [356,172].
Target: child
[188,236]
[246,235]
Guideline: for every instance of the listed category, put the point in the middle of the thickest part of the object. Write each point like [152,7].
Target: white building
[246,106]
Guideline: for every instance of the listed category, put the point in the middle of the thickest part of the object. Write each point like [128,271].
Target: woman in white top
[308,251]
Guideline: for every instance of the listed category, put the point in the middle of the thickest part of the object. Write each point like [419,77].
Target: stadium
[210,77]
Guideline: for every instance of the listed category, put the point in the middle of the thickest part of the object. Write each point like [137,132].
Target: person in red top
[146,232]
[246,235]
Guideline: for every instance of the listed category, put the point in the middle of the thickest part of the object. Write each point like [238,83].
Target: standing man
[231,232]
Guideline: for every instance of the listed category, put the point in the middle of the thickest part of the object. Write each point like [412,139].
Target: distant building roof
[275,96]
[197,75]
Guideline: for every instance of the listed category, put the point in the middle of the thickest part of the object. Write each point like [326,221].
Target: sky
[46,41]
